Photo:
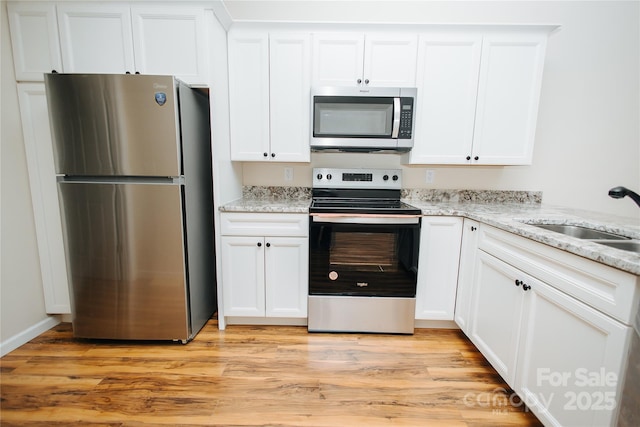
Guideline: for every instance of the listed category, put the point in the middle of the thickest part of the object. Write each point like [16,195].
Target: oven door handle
[365,219]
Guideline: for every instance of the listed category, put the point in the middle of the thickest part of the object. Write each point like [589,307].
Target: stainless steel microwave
[372,119]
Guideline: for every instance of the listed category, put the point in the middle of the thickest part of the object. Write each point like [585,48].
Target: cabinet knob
[518,282]
[476,158]
[265,154]
[137,72]
[273,154]
[468,157]
[473,228]
[525,287]
[268,245]
[366,81]
[259,244]
[54,72]
[359,81]
[127,72]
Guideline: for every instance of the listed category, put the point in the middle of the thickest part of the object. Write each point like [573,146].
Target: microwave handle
[396,118]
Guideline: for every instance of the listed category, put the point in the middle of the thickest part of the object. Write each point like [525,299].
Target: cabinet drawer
[264,224]
[612,291]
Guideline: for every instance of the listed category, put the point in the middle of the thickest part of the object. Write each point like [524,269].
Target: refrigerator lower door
[125,249]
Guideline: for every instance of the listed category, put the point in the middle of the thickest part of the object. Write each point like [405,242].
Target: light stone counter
[512,211]
[271,199]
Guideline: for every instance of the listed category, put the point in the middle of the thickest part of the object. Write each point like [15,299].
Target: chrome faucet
[620,192]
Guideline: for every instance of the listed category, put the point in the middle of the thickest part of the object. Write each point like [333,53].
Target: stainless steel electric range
[363,252]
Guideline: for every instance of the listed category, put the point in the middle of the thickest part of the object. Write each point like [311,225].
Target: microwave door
[353,117]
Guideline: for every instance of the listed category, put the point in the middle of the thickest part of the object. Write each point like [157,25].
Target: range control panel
[357,178]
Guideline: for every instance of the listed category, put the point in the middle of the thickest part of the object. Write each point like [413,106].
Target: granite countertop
[510,211]
[519,219]
[271,199]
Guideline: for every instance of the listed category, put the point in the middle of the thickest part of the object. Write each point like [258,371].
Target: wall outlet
[430,176]
[288,174]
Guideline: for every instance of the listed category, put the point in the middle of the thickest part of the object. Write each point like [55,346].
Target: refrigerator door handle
[168,180]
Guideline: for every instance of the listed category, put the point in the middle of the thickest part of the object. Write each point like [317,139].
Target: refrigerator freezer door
[110,124]
[126,260]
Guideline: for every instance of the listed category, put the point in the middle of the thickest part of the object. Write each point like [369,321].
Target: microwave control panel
[406,118]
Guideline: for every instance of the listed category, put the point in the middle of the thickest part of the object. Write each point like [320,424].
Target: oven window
[365,251]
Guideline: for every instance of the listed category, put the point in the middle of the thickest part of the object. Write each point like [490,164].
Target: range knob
[395,177]
[319,176]
[329,176]
[385,178]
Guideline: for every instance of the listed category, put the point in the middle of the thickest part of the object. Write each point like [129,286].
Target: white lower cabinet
[495,314]
[264,274]
[438,267]
[564,358]
[468,251]
[570,359]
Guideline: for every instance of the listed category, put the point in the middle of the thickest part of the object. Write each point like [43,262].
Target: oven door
[363,255]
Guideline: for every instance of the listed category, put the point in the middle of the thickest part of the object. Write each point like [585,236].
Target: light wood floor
[257,375]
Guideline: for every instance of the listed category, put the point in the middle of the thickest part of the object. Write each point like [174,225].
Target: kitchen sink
[581,232]
[626,245]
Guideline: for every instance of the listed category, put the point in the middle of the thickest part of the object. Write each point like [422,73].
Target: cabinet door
[337,59]
[508,94]
[44,195]
[468,252]
[34,39]
[171,40]
[286,271]
[438,267]
[496,312]
[249,95]
[243,276]
[570,359]
[290,96]
[448,67]
[96,38]
[390,60]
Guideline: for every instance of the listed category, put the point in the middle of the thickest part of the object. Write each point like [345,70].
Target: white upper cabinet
[352,59]
[448,67]
[478,97]
[96,38]
[34,39]
[269,96]
[290,96]
[338,59]
[146,39]
[508,94]
[249,95]
[390,60]
[170,40]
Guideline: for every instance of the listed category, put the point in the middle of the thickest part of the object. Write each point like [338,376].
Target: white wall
[21,298]
[588,133]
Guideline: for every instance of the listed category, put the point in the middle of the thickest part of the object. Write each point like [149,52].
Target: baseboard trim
[436,324]
[28,334]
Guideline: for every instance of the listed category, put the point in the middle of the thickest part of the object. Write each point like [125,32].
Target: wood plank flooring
[256,375]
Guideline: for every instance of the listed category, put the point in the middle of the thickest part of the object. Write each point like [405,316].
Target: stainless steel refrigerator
[133,158]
